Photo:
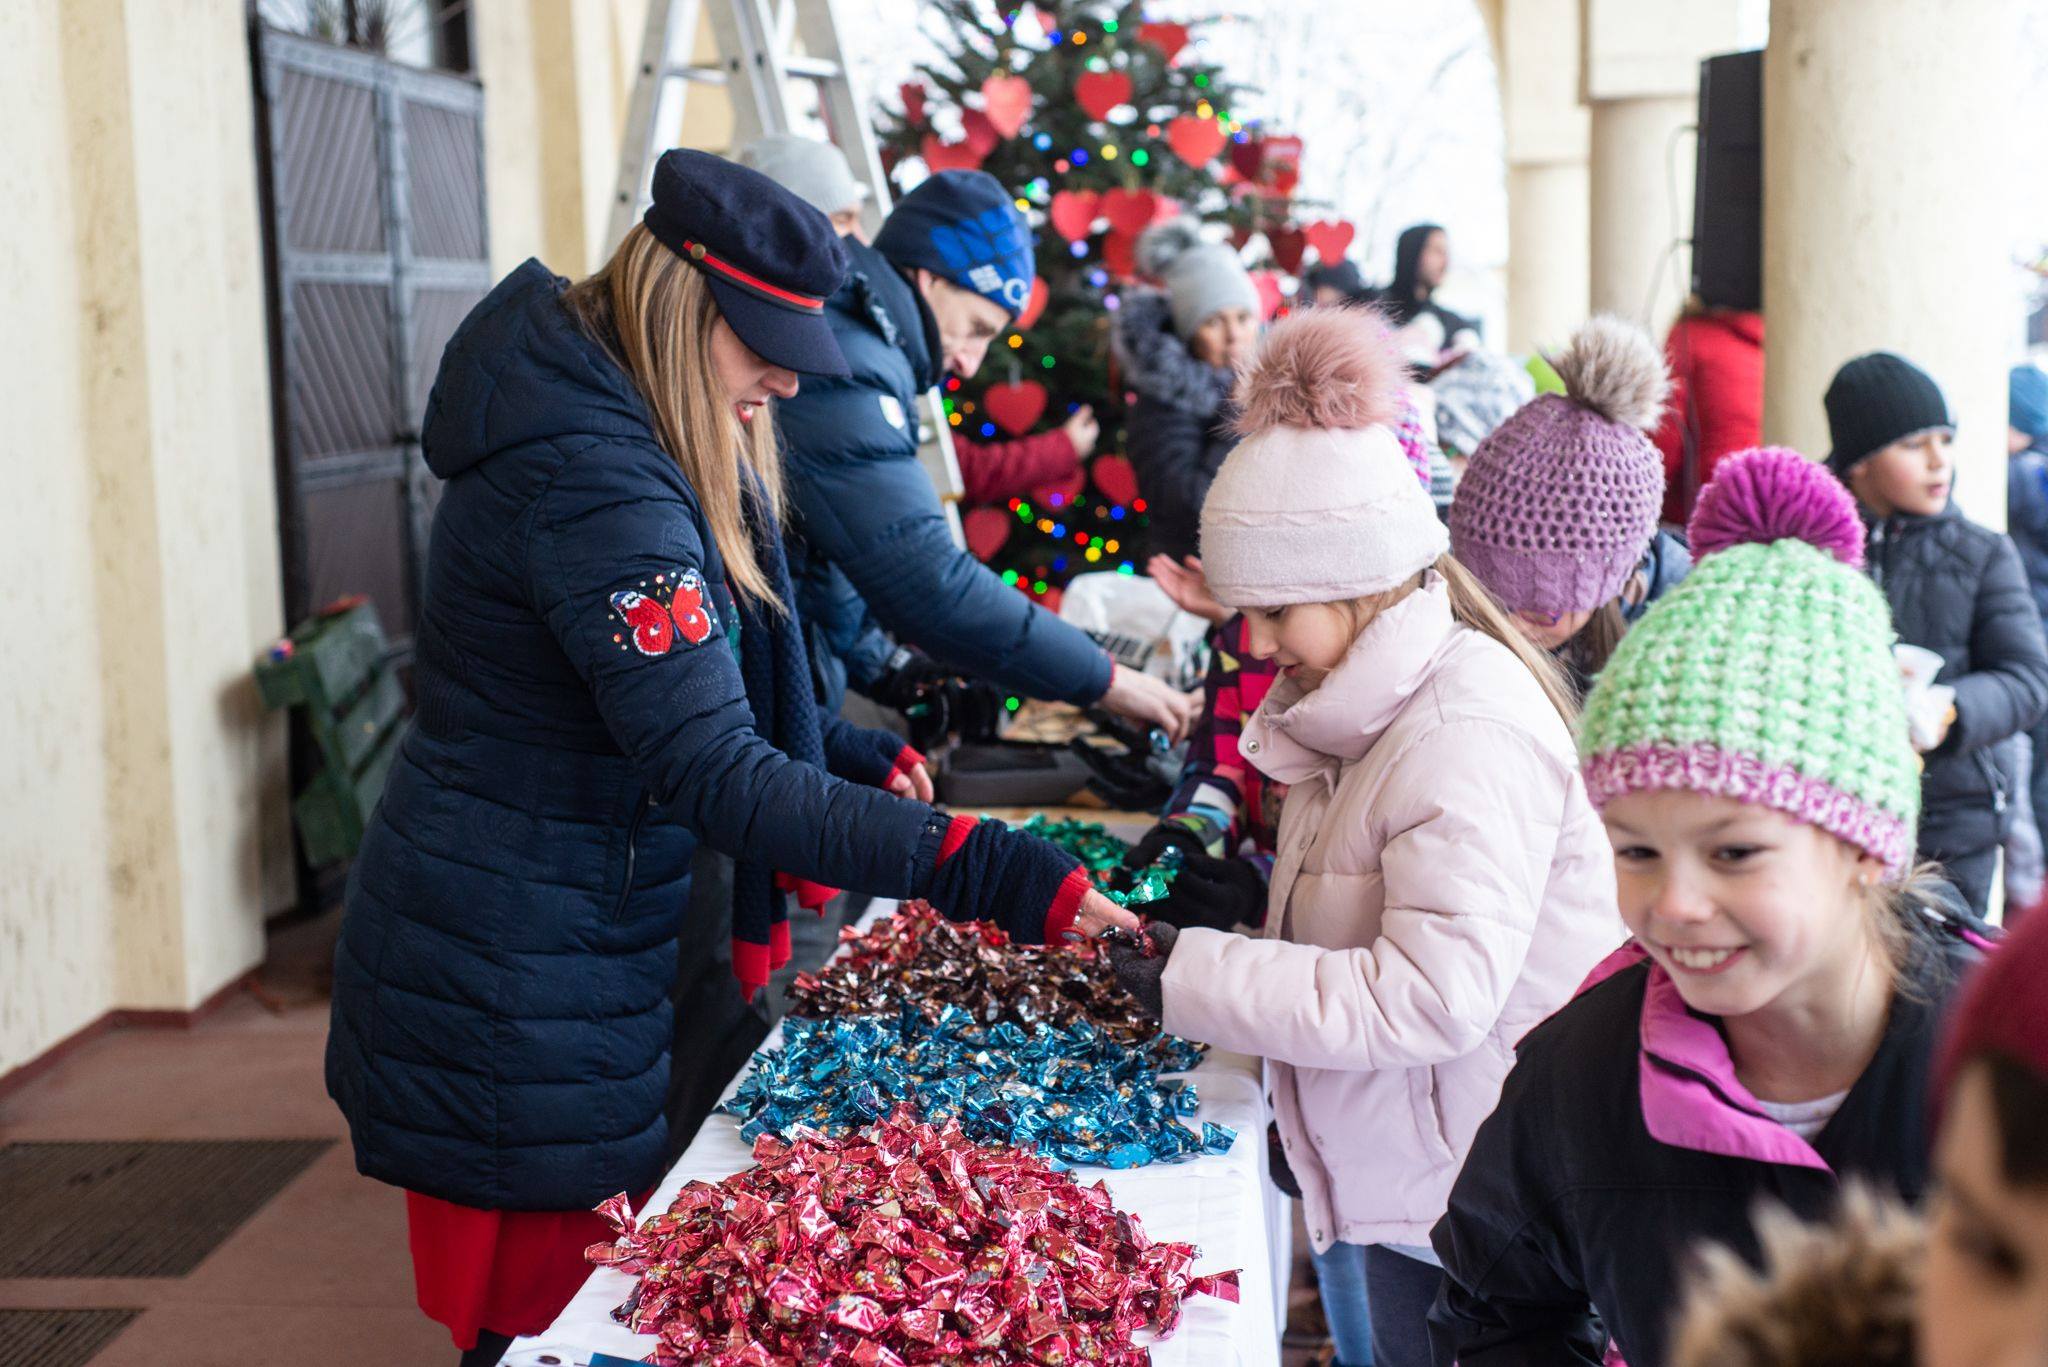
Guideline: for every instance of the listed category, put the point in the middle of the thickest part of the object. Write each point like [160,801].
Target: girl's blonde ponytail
[1474,606]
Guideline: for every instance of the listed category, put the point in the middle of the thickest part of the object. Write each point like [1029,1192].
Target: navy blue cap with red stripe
[770,259]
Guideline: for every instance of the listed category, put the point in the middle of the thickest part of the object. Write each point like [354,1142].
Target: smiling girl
[1768,1030]
[1440,881]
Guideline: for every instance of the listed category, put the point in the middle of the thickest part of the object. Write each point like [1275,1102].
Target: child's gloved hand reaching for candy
[1138,959]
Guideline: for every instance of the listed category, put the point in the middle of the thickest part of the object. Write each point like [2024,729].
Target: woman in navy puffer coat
[595,700]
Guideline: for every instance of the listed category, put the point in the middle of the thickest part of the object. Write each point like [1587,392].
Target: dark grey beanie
[1873,401]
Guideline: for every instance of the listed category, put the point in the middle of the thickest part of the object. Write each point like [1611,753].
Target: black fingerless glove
[1032,887]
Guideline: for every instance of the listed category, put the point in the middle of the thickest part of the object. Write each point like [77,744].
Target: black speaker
[1728,185]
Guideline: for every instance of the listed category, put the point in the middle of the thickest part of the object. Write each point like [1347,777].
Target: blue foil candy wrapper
[1075,1093]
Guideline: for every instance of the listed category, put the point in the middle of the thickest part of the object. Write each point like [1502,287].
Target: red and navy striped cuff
[1066,905]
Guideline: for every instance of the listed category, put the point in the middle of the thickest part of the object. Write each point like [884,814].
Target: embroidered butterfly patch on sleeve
[661,609]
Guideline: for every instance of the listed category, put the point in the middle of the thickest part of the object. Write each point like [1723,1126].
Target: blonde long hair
[653,314]
[1472,605]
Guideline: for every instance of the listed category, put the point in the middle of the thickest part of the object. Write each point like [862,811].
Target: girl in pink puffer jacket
[1441,883]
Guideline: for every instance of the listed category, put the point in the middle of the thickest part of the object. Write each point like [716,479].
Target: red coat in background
[997,471]
[1717,400]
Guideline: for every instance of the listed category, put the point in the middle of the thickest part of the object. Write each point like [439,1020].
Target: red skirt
[508,1271]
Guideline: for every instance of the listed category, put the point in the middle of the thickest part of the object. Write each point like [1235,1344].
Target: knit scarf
[775,670]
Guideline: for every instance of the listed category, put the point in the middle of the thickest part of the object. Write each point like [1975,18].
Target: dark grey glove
[1140,966]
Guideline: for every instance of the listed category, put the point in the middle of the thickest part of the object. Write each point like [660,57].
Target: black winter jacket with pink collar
[1623,1139]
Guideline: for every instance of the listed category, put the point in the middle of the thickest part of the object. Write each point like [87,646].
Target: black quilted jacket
[1959,590]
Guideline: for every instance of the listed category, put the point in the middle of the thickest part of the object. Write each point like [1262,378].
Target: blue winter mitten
[1139,962]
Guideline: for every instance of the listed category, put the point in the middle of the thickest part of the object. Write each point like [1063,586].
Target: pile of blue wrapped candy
[1076,1093]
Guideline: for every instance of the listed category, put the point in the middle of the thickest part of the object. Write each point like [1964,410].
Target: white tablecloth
[1221,1203]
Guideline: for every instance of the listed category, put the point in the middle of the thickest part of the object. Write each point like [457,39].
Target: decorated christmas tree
[1101,122]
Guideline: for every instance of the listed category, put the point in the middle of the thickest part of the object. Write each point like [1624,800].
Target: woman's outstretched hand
[1098,914]
[1152,701]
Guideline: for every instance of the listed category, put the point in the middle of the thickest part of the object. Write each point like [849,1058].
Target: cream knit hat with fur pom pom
[1317,503]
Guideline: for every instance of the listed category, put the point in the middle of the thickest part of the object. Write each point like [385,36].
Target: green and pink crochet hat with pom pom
[1767,676]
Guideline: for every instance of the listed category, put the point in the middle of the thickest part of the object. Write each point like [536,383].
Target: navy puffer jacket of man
[501,1021]
[1958,589]
[867,530]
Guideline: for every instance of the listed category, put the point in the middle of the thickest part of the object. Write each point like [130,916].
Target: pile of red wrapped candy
[900,1244]
[919,957]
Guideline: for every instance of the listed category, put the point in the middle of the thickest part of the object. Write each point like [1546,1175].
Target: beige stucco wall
[557,75]
[141,792]
[1886,201]
[56,935]
[1537,54]
[1641,79]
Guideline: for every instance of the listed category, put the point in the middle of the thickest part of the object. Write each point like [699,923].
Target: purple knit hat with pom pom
[1558,505]
[1767,676]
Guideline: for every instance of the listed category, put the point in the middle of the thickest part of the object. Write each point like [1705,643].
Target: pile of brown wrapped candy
[900,1244]
[919,957]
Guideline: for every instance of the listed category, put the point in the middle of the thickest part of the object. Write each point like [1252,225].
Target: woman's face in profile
[747,380]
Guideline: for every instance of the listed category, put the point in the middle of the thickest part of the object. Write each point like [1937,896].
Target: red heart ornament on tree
[1281,160]
[979,131]
[1247,157]
[1130,211]
[949,156]
[1033,306]
[1331,239]
[987,529]
[1007,100]
[1016,406]
[1120,252]
[913,100]
[1288,245]
[1240,235]
[1098,92]
[1116,479]
[1168,38]
[1196,141]
[1073,213]
[1270,294]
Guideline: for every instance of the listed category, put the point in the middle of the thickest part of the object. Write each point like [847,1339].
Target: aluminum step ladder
[756,62]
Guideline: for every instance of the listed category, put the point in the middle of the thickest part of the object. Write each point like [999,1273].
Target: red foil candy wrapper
[919,957]
[902,1244]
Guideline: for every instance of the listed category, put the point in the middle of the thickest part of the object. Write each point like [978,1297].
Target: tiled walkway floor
[320,1277]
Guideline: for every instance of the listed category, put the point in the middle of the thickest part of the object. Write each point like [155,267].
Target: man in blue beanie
[868,541]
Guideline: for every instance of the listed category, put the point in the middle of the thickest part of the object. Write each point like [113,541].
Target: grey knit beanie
[1202,279]
[815,172]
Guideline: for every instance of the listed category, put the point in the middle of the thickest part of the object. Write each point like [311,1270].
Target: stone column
[1886,213]
[1641,84]
[1536,52]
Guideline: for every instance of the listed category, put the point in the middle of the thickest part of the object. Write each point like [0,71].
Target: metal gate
[376,249]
